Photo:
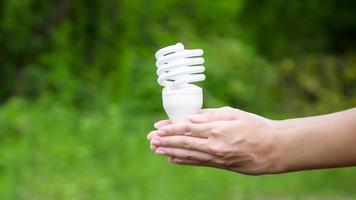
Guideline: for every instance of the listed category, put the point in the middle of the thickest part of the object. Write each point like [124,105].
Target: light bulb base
[180,103]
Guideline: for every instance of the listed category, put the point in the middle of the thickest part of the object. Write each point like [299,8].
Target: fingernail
[155,125]
[153,147]
[155,142]
[160,152]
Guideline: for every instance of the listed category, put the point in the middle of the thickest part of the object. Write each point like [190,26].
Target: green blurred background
[78,92]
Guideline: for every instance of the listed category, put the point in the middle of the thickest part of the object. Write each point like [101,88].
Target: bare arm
[318,142]
[295,122]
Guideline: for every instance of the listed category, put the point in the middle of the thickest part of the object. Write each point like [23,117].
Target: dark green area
[78,91]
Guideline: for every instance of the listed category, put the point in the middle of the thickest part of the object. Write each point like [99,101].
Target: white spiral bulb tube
[177,69]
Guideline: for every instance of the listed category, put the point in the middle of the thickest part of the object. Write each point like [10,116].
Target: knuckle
[217,130]
[182,155]
[219,150]
[195,129]
[230,163]
[186,127]
[186,144]
[226,153]
[187,132]
[189,157]
[164,142]
[221,153]
[214,149]
[172,129]
[227,108]
[220,162]
[168,151]
[209,160]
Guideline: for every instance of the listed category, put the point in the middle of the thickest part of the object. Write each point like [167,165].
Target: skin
[235,140]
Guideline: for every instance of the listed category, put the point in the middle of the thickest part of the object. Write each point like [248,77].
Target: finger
[189,129]
[153,147]
[153,134]
[188,162]
[182,161]
[185,154]
[162,123]
[215,114]
[185,142]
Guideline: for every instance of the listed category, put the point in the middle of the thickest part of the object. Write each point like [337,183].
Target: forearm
[318,142]
[306,121]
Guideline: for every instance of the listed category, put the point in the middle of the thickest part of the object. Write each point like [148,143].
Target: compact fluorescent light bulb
[177,68]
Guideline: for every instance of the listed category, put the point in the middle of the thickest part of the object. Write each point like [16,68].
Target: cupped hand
[225,138]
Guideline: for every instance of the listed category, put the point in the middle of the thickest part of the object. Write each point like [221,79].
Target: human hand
[223,138]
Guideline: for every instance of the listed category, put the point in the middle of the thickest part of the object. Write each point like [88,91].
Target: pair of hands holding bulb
[243,142]
[211,138]
[223,138]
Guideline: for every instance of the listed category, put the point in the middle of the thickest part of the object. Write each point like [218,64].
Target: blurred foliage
[298,53]
[78,90]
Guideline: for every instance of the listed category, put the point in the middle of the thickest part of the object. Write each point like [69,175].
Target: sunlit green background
[78,92]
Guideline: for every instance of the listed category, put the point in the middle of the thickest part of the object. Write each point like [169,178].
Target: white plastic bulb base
[180,103]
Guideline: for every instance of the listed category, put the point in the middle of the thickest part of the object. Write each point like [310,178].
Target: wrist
[280,124]
[278,157]
[290,146]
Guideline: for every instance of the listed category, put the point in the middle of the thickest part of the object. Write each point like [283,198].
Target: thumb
[200,118]
[215,114]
